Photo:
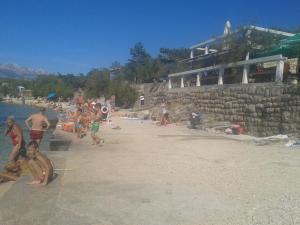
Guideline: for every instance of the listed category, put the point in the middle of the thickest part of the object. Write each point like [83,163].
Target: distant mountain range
[19,72]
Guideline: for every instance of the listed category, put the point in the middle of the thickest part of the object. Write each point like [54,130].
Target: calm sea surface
[21,113]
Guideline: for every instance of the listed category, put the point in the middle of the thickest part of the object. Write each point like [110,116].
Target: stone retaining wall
[266,109]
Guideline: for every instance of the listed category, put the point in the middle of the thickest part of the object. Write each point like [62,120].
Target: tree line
[116,80]
[141,67]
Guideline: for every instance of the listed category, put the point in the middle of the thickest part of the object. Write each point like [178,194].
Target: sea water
[21,113]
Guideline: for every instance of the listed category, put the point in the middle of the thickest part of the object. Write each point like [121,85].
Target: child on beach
[94,130]
[39,165]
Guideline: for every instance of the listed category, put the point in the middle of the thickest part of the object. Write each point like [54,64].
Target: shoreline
[48,136]
[56,134]
[36,103]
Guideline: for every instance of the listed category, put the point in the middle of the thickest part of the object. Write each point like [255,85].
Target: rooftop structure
[206,47]
[217,46]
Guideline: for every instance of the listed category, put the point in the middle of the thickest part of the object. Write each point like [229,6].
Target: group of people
[165,118]
[88,116]
[39,164]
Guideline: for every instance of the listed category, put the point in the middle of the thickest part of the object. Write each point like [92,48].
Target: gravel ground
[145,174]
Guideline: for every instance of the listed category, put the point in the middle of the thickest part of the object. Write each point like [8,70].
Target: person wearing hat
[142,99]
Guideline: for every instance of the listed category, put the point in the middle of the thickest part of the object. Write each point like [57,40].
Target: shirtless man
[39,124]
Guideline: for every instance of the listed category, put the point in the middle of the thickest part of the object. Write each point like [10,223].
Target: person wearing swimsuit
[95,127]
[16,135]
[37,124]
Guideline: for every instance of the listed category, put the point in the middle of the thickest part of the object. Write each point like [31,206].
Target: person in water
[39,164]
[16,134]
[39,124]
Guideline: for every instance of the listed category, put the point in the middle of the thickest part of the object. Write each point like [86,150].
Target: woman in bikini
[16,135]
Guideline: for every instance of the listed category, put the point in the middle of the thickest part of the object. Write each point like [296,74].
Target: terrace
[213,71]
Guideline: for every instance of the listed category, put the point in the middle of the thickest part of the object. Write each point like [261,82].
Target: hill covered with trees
[116,80]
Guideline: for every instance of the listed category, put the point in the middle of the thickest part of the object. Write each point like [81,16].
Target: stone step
[59,144]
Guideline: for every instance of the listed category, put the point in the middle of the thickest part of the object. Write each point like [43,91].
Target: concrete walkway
[146,174]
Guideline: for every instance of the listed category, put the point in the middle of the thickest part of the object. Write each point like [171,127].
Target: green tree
[172,60]
[44,85]
[126,95]
[173,55]
[141,66]
[139,54]
[97,83]
[4,89]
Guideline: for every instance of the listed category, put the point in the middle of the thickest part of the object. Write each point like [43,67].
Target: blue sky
[73,36]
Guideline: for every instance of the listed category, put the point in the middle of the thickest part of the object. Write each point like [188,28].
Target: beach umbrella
[51,96]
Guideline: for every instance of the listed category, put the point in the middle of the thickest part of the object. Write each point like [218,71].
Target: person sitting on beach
[39,165]
[39,124]
[165,120]
[18,151]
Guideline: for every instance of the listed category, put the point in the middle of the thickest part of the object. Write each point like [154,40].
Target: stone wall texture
[266,109]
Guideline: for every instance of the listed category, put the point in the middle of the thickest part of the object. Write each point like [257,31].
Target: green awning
[289,47]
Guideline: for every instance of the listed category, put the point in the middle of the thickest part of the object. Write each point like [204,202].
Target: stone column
[181,82]
[198,83]
[192,54]
[170,83]
[221,73]
[246,71]
[279,71]
[206,50]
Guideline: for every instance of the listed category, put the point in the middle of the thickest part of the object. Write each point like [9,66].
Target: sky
[73,36]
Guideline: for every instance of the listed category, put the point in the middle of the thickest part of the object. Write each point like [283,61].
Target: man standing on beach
[142,99]
[39,124]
